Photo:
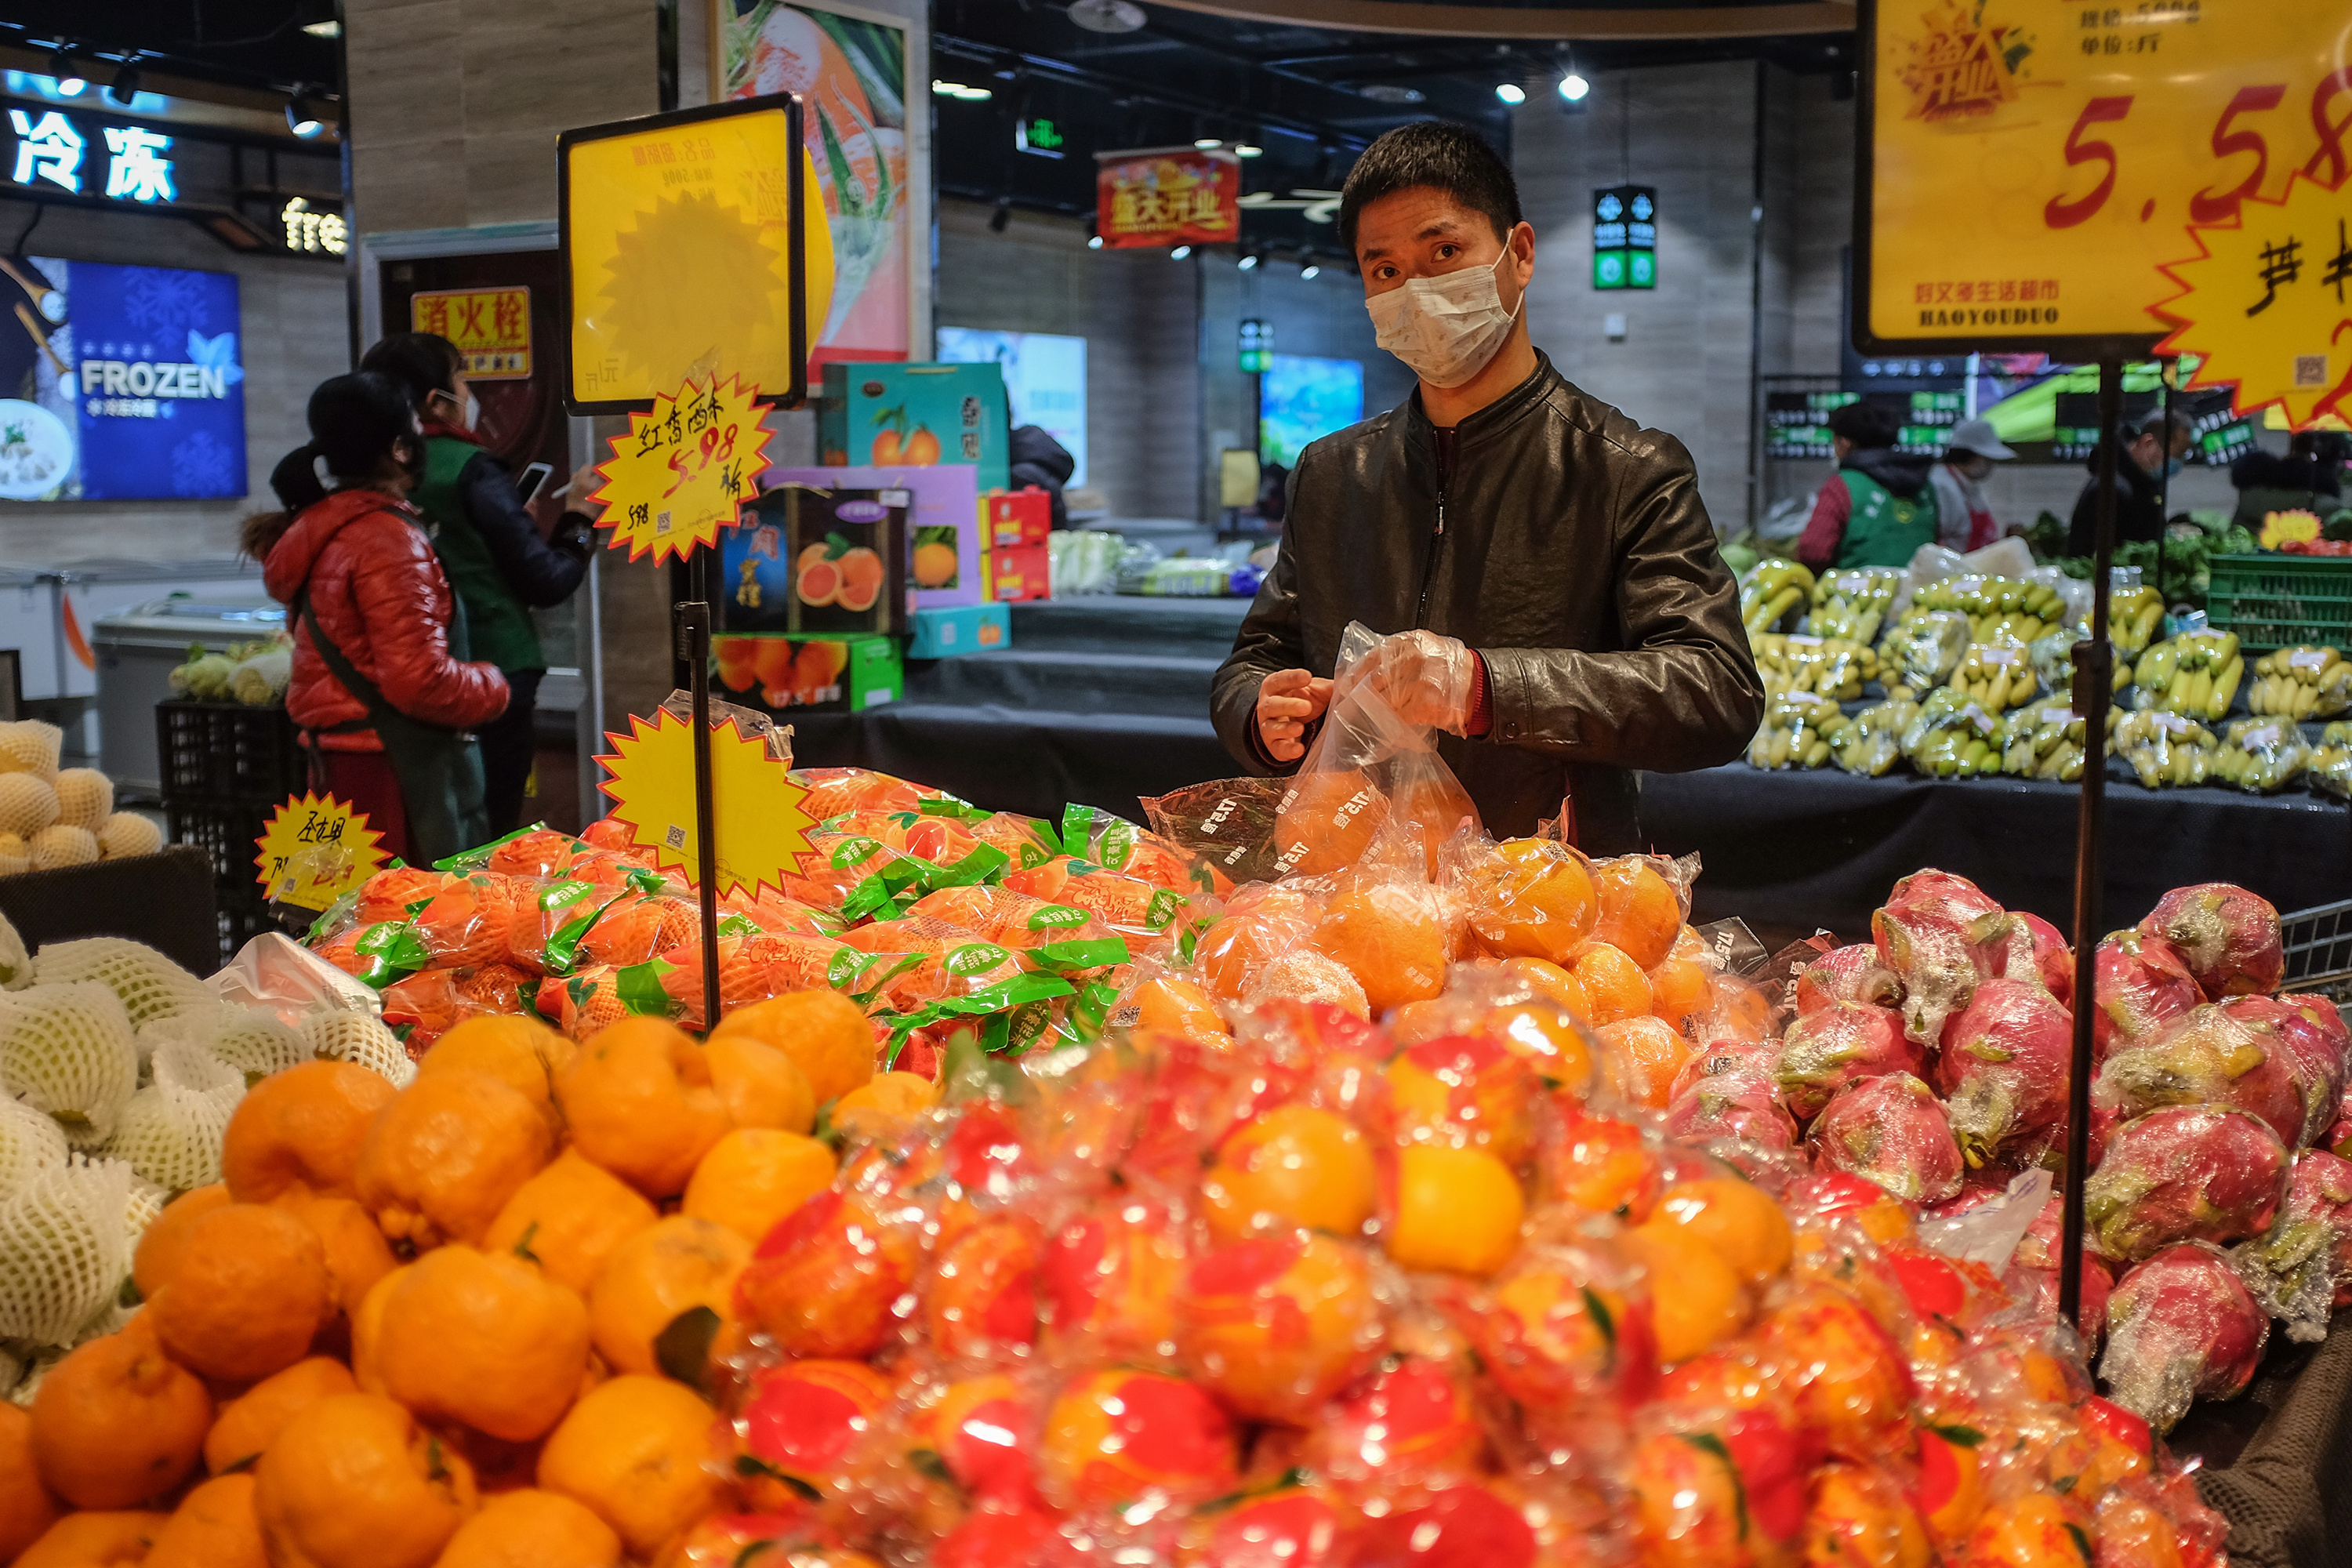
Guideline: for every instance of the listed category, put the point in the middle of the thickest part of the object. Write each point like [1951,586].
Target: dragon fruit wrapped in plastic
[1927,934]
[2033,1274]
[2300,1271]
[1847,975]
[2143,987]
[2180,1327]
[2187,1172]
[1740,1103]
[2021,946]
[2228,937]
[1842,1043]
[1893,1131]
[2213,1057]
[2003,1067]
[2310,1033]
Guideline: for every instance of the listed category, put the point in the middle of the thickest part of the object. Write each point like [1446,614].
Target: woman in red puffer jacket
[381,688]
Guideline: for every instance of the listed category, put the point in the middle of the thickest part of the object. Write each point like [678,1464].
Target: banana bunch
[1853,604]
[1772,589]
[2195,674]
[1800,731]
[1850,623]
[2132,618]
[2054,663]
[1873,738]
[1923,648]
[2008,606]
[2331,761]
[2261,756]
[2301,683]
[1995,677]
[2046,741]
[1825,667]
[2165,750]
[1952,737]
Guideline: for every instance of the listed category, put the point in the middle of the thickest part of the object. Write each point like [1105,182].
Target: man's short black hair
[1452,158]
[1866,426]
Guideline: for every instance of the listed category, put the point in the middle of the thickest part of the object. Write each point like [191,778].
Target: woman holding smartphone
[491,549]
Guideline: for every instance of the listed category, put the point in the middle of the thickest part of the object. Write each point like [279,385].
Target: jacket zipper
[1429,561]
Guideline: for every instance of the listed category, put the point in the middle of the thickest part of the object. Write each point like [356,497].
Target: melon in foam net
[170,1132]
[64,1249]
[150,985]
[66,1050]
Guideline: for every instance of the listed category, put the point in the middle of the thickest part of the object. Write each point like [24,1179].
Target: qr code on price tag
[2311,370]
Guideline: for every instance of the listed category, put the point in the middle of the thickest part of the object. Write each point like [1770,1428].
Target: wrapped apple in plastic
[1842,1043]
[2187,1172]
[2228,937]
[2213,1057]
[2003,1067]
[2300,1271]
[1892,1130]
[1927,934]
[2143,987]
[2307,1032]
[2181,1328]
[1847,975]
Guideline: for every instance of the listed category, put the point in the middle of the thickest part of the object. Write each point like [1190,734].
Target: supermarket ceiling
[1309,81]
[246,52]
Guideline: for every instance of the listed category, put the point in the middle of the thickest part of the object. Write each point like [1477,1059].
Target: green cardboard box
[889,416]
[784,675]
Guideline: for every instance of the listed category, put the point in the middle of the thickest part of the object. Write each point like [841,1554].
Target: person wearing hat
[1963,517]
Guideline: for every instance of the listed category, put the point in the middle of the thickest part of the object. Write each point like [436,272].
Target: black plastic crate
[227,751]
[229,832]
[240,922]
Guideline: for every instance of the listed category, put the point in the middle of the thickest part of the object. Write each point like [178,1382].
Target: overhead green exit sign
[1040,136]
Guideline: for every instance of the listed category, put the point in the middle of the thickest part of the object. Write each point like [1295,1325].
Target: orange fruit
[27,1507]
[1432,811]
[1113,1435]
[367,1330]
[1276,1325]
[1533,898]
[1232,952]
[1388,937]
[671,1267]
[568,1218]
[1743,1226]
[1640,914]
[353,1482]
[1697,1299]
[826,1281]
[350,1242]
[482,1338]
[1682,992]
[2040,1529]
[1614,986]
[247,1296]
[522,1053]
[214,1527]
[1465,1091]
[1457,1209]
[1548,1039]
[1416,1022]
[1549,980]
[165,1241]
[754,1176]
[1107,1279]
[761,1085]
[1551,1335]
[824,1033]
[251,1422]
[981,1297]
[1294,1165]
[1652,1054]
[1166,1006]
[639,1101]
[441,1160]
[1739,1012]
[1951,1492]
[1326,821]
[1849,1378]
[640,1453]
[95,1541]
[532,1529]
[2131,1531]
[117,1422]
[883,1107]
[1857,1514]
[301,1126]
[1602,1164]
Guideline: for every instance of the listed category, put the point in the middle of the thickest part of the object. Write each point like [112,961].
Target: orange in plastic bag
[1014,920]
[1326,821]
[1641,911]
[834,791]
[387,894]
[1126,904]
[1391,937]
[435,1000]
[950,961]
[1530,898]
[470,920]
[636,929]
[539,853]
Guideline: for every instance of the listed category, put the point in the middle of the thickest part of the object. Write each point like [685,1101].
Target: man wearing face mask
[1542,568]
[2151,455]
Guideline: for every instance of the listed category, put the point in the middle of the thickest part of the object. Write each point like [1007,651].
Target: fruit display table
[1819,847]
[2274,1456]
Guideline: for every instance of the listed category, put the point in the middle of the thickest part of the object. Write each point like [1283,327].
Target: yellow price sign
[2268,304]
[681,472]
[2030,165]
[760,823]
[315,849]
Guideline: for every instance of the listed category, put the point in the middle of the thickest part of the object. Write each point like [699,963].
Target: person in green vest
[491,549]
[1879,507]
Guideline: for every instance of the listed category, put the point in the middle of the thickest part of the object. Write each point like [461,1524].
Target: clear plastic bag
[2165,750]
[1951,737]
[1800,731]
[2181,1328]
[1922,649]
[1873,742]
[2261,756]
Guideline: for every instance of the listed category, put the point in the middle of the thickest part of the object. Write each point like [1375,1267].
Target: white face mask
[1447,328]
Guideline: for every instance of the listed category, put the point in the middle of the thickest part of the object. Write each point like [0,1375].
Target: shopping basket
[2319,950]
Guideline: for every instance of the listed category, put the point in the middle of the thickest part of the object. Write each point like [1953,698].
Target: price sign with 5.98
[2030,164]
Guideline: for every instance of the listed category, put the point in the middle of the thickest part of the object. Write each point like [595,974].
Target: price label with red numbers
[682,471]
[2032,165]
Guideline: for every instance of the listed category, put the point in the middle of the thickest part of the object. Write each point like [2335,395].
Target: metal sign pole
[692,622]
[2093,691]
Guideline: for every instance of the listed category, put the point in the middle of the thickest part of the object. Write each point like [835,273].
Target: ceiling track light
[1179,253]
[1248,263]
[1572,85]
[1094,234]
[1248,149]
[125,85]
[70,81]
[301,118]
[1510,92]
[1309,268]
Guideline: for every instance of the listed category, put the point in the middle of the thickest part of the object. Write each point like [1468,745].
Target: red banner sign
[1181,196]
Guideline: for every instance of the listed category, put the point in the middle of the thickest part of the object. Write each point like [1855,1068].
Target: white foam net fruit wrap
[15,963]
[30,747]
[63,846]
[29,1140]
[170,1132]
[16,855]
[152,986]
[68,1050]
[251,1039]
[126,833]
[63,1249]
[347,1036]
[28,804]
[85,797]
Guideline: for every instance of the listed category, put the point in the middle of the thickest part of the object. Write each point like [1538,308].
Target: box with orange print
[945,541]
[810,674]
[804,560]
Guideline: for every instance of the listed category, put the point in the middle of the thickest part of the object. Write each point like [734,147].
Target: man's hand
[1288,701]
[1430,680]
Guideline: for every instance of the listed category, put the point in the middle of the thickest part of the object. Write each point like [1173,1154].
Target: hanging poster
[851,76]
[1176,195]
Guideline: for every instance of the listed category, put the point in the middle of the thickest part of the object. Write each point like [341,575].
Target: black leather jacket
[1569,548]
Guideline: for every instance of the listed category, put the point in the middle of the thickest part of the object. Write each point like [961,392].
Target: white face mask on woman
[1447,328]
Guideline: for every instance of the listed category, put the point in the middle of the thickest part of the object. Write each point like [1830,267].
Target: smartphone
[528,482]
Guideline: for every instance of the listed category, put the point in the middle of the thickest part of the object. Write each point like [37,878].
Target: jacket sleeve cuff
[1482,700]
[1511,712]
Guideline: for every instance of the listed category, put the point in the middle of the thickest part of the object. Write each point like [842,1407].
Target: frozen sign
[125,163]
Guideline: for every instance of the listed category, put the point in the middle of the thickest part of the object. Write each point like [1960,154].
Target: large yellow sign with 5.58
[2034,162]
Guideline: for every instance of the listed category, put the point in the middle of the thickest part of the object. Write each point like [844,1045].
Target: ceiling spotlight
[1094,233]
[1510,92]
[1107,15]
[327,29]
[1244,150]
[959,90]
[301,118]
[1207,143]
[1248,263]
[1093,242]
[1179,253]
[125,85]
[1389,93]
[1308,266]
[1572,85]
[69,82]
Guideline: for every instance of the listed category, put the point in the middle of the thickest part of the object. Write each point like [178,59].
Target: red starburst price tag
[681,472]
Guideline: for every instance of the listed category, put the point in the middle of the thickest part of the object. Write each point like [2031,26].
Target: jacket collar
[1489,421]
